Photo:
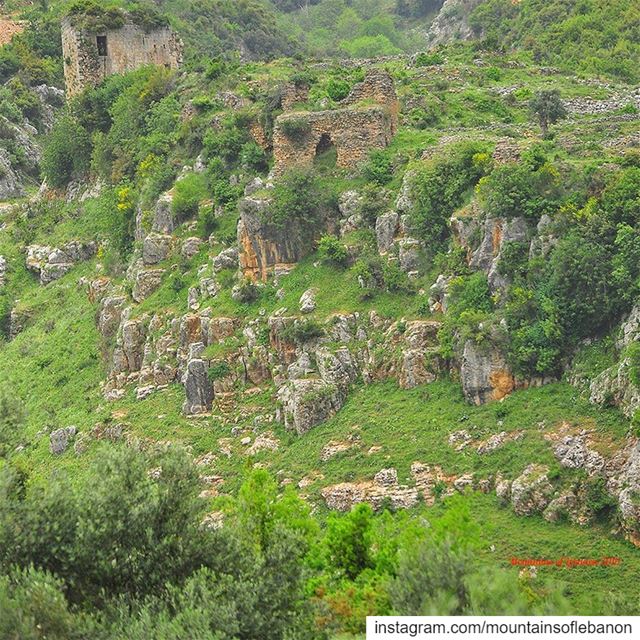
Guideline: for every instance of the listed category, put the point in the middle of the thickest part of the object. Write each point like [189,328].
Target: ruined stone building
[89,56]
[366,120]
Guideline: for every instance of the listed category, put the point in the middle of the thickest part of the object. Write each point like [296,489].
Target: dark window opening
[102,45]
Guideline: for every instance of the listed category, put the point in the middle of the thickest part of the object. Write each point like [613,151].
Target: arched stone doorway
[326,154]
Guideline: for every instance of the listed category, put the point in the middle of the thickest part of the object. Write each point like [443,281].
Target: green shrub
[424,59]
[439,187]
[33,606]
[295,128]
[349,539]
[218,371]
[598,498]
[253,157]
[187,195]
[5,314]
[621,197]
[369,46]
[207,221]
[379,168]
[302,331]
[633,354]
[246,292]
[300,199]
[513,190]
[67,152]
[332,251]
[12,417]
[338,89]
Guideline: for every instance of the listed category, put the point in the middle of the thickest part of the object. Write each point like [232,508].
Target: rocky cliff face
[452,22]
[265,250]
[614,385]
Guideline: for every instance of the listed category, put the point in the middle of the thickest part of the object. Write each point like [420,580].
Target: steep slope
[375,283]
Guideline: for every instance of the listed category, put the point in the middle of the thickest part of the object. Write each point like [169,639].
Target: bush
[300,200]
[332,251]
[302,331]
[621,198]
[33,606]
[246,292]
[187,195]
[121,531]
[348,541]
[67,152]
[440,186]
[424,59]
[12,416]
[295,128]
[379,168]
[633,354]
[5,315]
[253,157]
[207,222]
[598,498]
[218,371]
[338,89]
[370,47]
[513,190]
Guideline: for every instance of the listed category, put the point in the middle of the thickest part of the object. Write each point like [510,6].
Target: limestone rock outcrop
[10,183]
[51,263]
[383,489]
[3,271]
[484,373]
[147,281]
[156,248]
[198,388]
[452,22]
[263,247]
[614,385]
[531,491]
[60,439]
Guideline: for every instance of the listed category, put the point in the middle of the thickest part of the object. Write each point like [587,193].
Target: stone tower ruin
[91,55]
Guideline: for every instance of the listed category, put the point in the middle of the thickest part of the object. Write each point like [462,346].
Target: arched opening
[326,152]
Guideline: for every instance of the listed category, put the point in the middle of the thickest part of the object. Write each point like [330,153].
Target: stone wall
[354,129]
[127,49]
[377,87]
[353,132]
[10,28]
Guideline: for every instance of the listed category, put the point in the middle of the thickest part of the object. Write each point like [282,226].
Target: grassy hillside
[156,524]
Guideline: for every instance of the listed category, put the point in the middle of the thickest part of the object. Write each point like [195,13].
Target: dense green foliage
[107,540]
[440,187]
[127,542]
[598,36]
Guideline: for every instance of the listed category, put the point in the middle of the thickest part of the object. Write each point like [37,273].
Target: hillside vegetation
[243,396]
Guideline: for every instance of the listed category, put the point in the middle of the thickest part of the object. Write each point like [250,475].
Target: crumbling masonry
[90,57]
[366,120]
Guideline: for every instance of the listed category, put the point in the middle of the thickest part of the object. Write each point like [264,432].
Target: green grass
[532,537]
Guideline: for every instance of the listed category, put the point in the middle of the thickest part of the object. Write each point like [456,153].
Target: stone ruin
[366,119]
[10,28]
[90,57]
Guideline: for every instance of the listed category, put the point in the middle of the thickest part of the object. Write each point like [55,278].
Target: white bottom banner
[502,627]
